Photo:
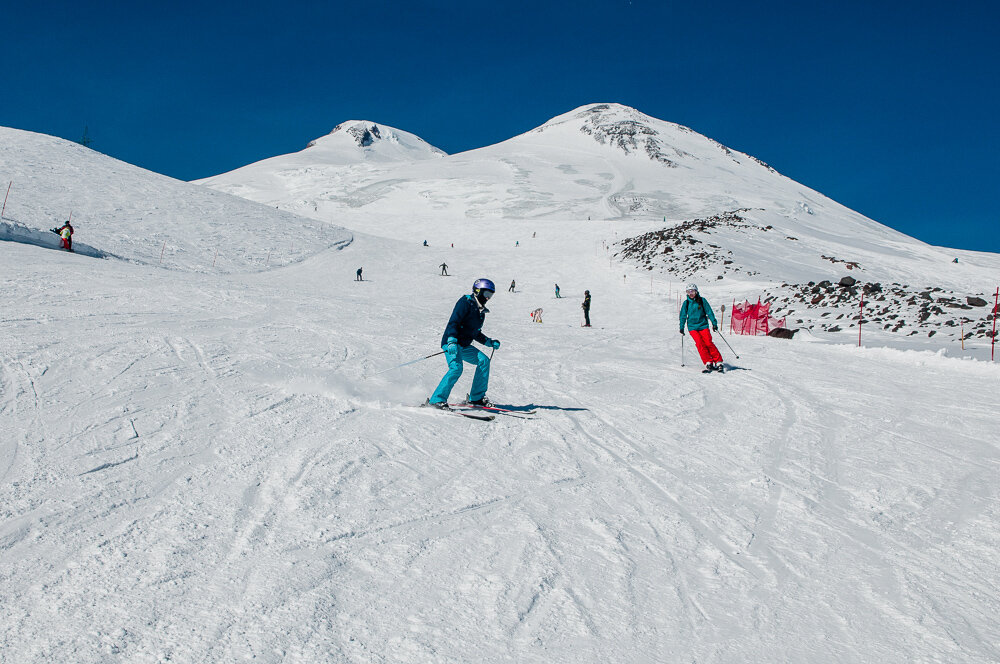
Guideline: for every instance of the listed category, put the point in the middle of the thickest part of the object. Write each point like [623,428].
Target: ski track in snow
[193,469]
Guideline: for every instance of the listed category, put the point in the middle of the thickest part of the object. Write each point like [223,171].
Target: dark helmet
[483,289]
[586,292]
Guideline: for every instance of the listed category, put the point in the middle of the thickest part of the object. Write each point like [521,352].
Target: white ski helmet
[692,287]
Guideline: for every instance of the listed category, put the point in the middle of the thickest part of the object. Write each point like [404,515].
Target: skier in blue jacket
[464,327]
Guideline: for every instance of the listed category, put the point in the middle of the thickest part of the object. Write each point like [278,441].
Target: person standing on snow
[359,277]
[464,327]
[557,291]
[66,233]
[511,289]
[586,308]
[697,313]
[444,269]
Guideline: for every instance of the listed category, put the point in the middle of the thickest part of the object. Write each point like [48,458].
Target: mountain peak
[365,139]
[619,126]
[364,133]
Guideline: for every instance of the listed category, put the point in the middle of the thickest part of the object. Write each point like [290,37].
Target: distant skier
[425,243]
[586,308]
[517,243]
[464,327]
[697,313]
[557,291]
[65,232]
[444,269]
[511,289]
[358,276]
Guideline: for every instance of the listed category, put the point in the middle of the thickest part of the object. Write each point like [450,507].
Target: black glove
[715,328]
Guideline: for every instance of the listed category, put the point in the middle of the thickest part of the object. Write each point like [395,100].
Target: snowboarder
[65,232]
[586,308]
[697,313]
[557,291]
[358,277]
[511,289]
[444,269]
[464,327]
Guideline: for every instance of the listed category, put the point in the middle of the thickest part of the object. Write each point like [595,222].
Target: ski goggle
[487,294]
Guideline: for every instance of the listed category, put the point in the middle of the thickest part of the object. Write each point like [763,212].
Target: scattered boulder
[847,282]
[782,333]
[976,301]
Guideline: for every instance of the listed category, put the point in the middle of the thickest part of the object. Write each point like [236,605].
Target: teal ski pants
[479,382]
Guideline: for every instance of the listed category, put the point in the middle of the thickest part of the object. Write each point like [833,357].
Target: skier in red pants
[696,313]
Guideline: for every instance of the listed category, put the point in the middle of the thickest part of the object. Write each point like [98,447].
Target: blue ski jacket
[466,322]
[697,316]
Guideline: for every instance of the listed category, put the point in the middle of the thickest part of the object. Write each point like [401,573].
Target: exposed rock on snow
[629,135]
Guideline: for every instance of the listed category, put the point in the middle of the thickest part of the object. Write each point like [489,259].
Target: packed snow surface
[218,463]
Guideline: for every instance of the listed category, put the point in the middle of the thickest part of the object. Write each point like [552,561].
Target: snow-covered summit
[356,140]
[349,152]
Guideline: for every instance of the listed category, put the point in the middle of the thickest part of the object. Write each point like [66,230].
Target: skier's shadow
[532,406]
[730,367]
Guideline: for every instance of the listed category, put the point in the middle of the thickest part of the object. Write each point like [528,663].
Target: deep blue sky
[888,107]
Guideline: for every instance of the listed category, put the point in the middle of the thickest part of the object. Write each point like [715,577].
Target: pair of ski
[483,413]
[720,369]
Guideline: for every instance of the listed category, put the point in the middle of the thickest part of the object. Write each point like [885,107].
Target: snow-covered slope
[685,206]
[125,212]
[350,152]
[201,467]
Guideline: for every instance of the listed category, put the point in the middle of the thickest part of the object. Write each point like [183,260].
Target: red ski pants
[706,348]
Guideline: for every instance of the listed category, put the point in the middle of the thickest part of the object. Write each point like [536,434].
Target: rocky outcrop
[629,135]
[782,333]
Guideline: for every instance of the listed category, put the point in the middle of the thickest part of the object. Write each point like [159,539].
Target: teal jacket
[697,317]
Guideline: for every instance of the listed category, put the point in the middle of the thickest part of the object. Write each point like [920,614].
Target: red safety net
[753,319]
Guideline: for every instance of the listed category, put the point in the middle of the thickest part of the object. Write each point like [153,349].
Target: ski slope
[195,468]
[207,456]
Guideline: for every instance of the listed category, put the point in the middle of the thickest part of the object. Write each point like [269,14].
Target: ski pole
[730,347]
[682,348]
[399,366]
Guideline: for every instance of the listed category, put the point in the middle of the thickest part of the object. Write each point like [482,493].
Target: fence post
[162,250]
[268,258]
[216,257]
[4,209]
[993,344]
[861,315]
